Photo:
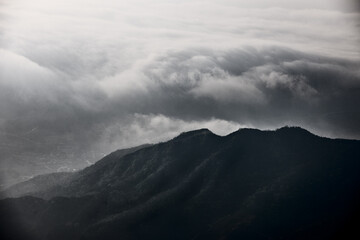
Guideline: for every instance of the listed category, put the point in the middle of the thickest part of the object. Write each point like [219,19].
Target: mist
[79,79]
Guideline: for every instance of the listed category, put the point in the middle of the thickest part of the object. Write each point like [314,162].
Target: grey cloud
[81,78]
[351,5]
[272,85]
[266,88]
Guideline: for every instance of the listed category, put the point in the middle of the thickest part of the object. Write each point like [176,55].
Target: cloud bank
[79,79]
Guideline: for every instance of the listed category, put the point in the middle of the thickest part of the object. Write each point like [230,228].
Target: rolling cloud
[79,79]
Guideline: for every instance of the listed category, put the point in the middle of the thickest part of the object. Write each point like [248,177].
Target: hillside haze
[251,184]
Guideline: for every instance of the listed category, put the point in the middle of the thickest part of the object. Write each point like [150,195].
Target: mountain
[251,184]
[46,185]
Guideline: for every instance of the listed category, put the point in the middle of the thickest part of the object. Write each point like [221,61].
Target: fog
[79,79]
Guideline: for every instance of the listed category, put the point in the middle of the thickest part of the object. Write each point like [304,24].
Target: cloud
[270,86]
[82,78]
[141,129]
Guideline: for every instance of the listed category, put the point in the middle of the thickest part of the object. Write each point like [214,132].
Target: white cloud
[110,73]
[24,79]
[142,129]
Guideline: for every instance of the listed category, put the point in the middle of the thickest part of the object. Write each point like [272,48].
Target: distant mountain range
[251,184]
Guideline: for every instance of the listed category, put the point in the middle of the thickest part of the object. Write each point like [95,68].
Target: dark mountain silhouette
[49,185]
[251,184]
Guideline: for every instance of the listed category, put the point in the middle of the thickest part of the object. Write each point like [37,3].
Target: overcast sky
[81,78]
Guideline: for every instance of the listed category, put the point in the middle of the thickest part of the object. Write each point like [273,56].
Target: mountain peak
[191,187]
[293,130]
[193,133]
[245,131]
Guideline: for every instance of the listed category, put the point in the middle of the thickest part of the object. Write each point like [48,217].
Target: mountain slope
[251,184]
[46,185]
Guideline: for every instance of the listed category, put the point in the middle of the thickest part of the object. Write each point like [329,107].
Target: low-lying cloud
[79,79]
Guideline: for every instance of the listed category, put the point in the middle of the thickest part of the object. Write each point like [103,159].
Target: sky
[82,78]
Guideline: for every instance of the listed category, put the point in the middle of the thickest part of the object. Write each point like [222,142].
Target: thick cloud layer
[79,78]
[267,88]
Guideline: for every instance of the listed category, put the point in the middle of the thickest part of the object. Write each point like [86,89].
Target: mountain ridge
[249,184]
[19,189]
